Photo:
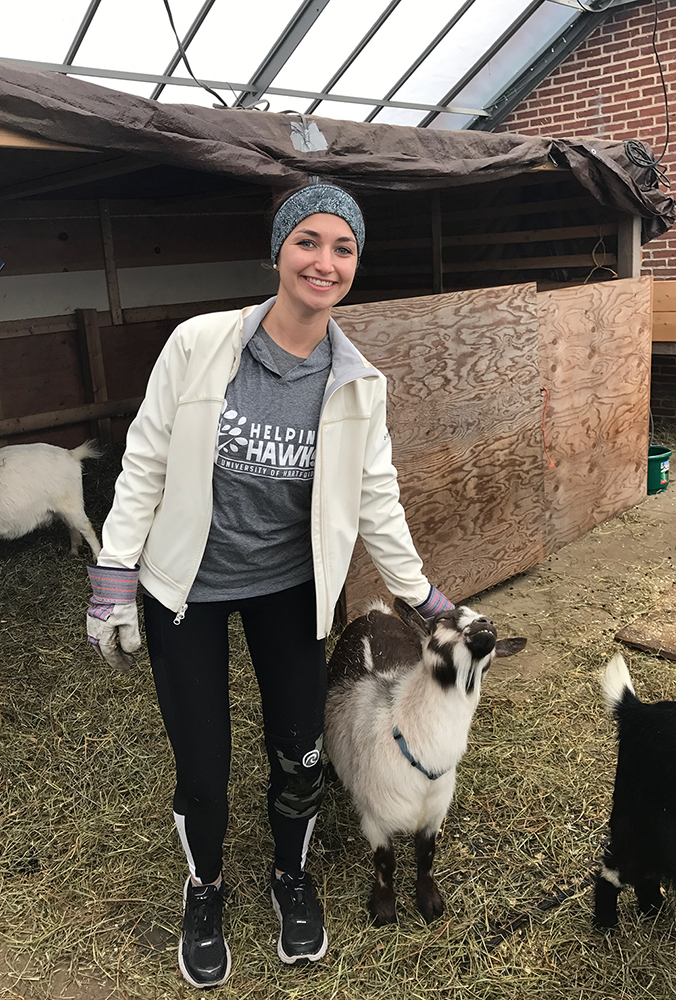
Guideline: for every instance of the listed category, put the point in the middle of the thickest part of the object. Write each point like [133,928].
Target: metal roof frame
[185,42]
[423,55]
[308,12]
[485,58]
[171,81]
[356,51]
[538,71]
[281,51]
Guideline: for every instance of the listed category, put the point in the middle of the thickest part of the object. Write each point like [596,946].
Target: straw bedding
[91,867]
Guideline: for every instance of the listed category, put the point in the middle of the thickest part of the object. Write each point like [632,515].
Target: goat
[642,847]
[402,694]
[41,481]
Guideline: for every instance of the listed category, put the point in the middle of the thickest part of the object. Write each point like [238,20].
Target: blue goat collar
[396,733]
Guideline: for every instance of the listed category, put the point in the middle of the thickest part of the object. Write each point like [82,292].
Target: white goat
[402,694]
[41,481]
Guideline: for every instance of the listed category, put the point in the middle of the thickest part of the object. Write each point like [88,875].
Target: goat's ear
[508,647]
[412,618]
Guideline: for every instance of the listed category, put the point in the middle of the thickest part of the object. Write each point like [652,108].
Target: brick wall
[663,387]
[610,88]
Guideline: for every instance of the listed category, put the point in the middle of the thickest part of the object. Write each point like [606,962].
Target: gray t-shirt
[259,541]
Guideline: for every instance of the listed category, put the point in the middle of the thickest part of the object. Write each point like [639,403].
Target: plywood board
[464,415]
[595,354]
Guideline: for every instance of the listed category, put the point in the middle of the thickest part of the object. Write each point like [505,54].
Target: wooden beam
[664,326]
[73,415]
[437,261]
[529,263]
[93,370]
[629,246]
[11,328]
[21,140]
[521,208]
[664,296]
[112,284]
[490,239]
[495,266]
[533,235]
[114,167]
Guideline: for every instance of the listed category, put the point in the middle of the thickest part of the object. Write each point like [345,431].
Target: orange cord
[546,392]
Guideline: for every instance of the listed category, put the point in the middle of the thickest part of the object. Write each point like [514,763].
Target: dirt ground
[585,592]
[570,608]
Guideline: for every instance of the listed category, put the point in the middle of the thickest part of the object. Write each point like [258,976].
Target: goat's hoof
[383,909]
[429,901]
[604,925]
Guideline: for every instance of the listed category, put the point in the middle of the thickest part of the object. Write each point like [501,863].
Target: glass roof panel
[325,48]
[395,46]
[235,38]
[542,28]
[473,35]
[134,35]
[523,48]
[40,30]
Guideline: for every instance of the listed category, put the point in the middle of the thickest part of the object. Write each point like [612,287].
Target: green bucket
[658,468]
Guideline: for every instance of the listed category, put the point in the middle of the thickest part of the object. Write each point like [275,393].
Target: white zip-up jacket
[161,513]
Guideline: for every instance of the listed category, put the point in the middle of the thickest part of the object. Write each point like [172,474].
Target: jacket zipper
[180,614]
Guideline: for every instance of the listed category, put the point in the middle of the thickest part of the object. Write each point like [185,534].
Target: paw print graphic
[230,432]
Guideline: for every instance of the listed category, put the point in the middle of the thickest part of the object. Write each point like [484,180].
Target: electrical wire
[599,263]
[184,57]
[636,151]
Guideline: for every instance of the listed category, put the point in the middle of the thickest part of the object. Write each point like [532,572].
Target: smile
[318,282]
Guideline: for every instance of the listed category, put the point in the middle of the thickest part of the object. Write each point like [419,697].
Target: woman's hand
[112,617]
[434,603]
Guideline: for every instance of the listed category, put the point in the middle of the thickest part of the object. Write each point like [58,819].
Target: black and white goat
[642,848]
[39,482]
[402,694]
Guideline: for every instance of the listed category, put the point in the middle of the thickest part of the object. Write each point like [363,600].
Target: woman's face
[317,262]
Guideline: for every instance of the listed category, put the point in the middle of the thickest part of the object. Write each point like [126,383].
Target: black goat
[642,848]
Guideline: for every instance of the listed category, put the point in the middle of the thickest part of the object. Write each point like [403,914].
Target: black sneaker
[203,954]
[302,934]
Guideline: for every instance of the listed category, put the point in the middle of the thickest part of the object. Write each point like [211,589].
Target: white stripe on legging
[180,826]
[306,842]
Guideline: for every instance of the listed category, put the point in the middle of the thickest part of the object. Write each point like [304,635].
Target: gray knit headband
[309,200]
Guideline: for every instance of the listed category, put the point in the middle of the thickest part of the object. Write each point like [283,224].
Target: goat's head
[458,645]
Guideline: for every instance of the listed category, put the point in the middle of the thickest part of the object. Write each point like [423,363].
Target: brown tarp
[282,149]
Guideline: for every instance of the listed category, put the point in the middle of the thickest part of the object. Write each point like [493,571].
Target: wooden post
[629,246]
[93,370]
[112,283]
[3,442]
[437,262]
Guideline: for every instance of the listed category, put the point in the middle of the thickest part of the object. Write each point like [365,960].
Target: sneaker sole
[290,959]
[184,972]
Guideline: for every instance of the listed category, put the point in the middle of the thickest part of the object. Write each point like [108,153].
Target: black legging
[190,666]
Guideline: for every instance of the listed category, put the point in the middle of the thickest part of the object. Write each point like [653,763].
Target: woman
[252,503]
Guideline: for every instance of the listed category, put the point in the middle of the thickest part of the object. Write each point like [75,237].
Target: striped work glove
[433,604]
[112,618]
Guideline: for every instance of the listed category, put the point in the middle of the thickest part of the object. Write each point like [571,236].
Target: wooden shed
[499,291]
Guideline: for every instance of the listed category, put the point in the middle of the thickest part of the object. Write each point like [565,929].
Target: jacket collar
[347,363]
